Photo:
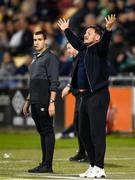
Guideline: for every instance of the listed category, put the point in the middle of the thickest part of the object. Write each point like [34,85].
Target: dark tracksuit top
[94,105]
[44,71]
[95,60]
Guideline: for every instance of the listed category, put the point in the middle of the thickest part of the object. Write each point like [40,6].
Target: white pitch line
[15,179]
[69,176]
[121,158]
[66,176]
[16,161]
[78,178]
[25,161]
[57,177]
[116,159]
[122,173]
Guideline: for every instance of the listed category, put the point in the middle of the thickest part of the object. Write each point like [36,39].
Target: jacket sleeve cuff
[54,87]
[66,30]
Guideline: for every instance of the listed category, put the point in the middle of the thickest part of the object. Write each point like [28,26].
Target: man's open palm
[110,21]
[63,24]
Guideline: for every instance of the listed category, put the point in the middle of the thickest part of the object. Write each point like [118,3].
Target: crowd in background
[20,18]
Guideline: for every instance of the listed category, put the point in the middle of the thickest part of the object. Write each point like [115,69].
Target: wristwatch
[68,85]
[52,101]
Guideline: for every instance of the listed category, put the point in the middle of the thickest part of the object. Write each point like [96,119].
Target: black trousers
[81,149]
[93,113]
[44,125]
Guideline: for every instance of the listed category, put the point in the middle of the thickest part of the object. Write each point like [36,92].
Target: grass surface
[24,150]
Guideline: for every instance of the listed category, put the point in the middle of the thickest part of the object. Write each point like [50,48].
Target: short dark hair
[98,29]
[41,33]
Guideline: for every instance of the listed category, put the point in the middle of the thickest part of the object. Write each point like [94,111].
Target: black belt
[84,92]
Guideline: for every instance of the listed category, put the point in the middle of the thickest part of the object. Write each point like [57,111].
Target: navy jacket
[95,60]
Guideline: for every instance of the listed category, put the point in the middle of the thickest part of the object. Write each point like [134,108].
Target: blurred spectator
[28,7]
[3,36]
[9,27]
[47,10]
[65,63]
[130,28]
[21,41]
[7,67]
[92,7]
[121,6]
[24,69]
[14,6]
[67,9]
[77,19]
[130,6]
[3,13]
[131,53]
[112,7]
[127,21]
[117,52]
[103,9]
[107,7]
[129,63]
[89,20]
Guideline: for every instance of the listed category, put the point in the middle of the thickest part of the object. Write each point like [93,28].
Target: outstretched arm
[72,38]
[105,40]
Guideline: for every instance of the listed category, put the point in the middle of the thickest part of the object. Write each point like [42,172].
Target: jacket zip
[86,72]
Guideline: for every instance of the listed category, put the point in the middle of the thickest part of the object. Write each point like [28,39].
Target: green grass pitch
[24,151]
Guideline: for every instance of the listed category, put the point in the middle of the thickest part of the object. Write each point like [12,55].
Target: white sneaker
[58,136]
[86,172]
[96,172]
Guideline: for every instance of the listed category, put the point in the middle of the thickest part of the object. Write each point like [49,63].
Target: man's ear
[97,37]
[46,41]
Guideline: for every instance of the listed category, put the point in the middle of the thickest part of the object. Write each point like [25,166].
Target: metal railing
[113,80]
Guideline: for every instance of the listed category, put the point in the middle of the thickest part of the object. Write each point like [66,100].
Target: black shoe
[41,169]
[78,157]
[85,160]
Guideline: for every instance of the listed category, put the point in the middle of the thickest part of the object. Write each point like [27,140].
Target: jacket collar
[41,54]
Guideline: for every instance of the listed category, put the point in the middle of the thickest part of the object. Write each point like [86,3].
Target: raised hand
[110,21]
[63,24]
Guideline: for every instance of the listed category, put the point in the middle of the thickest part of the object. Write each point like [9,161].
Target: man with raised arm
[90,76]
